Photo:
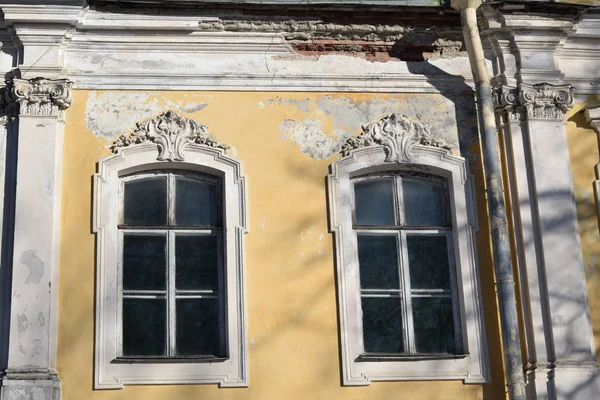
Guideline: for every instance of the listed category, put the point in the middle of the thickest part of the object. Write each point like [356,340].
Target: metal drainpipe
[505,284]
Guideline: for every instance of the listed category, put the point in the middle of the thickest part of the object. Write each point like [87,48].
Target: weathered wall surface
[583,148]
[286,143]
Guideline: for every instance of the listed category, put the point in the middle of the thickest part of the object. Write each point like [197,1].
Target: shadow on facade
[6,255]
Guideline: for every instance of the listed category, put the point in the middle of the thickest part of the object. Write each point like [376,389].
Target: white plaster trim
[474,368]
[232,372]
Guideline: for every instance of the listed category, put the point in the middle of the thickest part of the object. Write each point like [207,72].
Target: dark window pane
[198,327]
[144,327]
[423,203]
[196,262]
[428,262]
[144,262]
[196,203]
[378,262]
[375,202]
[382,325]
[146,201]
[434,325]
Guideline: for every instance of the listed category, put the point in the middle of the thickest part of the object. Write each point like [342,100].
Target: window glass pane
[375,202]
[195,203]
[196,262]
[144,262]
[146,201]
[423,203]
[428,262]
[434,325]
[198,327]
[144,327]
[378,262]
[382,325]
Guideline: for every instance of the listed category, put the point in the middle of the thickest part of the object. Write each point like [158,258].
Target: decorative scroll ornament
[171,133]
[35,97]
[545,101]
[507,103]
[397,134]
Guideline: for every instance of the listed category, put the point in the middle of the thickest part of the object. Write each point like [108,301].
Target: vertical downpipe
[505,284]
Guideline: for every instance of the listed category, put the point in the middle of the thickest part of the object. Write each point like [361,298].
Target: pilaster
[592,115]
[36,106]
[524,44]
[559,338]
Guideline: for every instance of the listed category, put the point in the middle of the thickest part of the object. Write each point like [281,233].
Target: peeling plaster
[110,114]
[22,324]
[41,319]
[302,105]
[317,29]
[311,138]
[445,117]
[35,265]
[38,348]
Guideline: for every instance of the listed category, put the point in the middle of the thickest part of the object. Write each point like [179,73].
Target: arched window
[408,288]
[170,218]
[407,278]
[171,267]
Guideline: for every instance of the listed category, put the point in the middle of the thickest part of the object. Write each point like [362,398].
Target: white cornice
[41,13]
[189,42]
[102,20]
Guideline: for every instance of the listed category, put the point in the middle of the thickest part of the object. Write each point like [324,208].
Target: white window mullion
[399,198]
[171,315]
[409,339]
[170,199]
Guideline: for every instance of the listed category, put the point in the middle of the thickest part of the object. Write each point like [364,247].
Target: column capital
[538,101]
[507,104]
[545,101]
[35,97]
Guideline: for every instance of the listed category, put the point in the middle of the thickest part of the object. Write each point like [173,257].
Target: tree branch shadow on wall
[437,78]
[455,89]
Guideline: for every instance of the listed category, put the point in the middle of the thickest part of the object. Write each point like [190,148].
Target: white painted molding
[592,115]
[474,367]
[233,371]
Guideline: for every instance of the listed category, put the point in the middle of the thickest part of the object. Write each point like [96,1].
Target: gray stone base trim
[33,384]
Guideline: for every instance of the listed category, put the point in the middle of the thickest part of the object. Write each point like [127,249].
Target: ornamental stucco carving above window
[171,133]
[397,134]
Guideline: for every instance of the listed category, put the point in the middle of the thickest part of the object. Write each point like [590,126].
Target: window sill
[167,360]
[383,357]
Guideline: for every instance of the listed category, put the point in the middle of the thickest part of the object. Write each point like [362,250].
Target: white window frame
[473,365]
[108,374]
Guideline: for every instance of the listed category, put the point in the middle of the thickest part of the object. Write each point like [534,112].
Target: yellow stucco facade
[583,149]
[292,315]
